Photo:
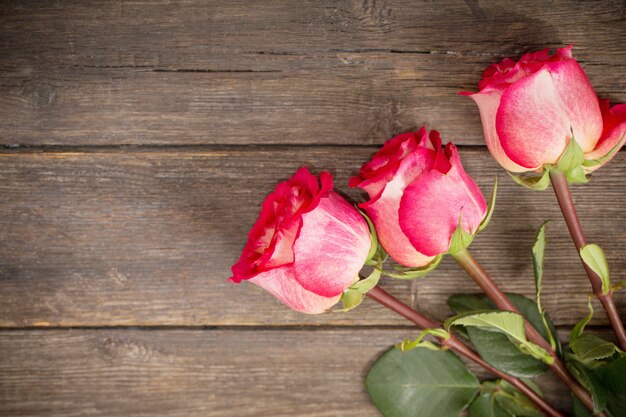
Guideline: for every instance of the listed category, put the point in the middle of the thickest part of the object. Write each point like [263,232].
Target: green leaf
[490,207]
[538,252]
[532,385]
[460,239]
[594,258]
[506,322]
[588,379]
[572,157]
[579,409]
[413,273]
[420,382]
[498,351]
[515,402]
[533,180]
[485,405]
[529,310]
[607,156]
[518,405]
[580,326]
[588,347]
[619,285]
[462,303]
[496,348]
[613,377]
[500,399]
[408,344]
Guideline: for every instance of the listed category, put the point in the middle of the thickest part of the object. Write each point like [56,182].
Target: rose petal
[271,238]
[332,247]
[374,174]
[488,103]
[282,284]
[384,210]
[431,206]
[614,130]
[579,101]
[536,114]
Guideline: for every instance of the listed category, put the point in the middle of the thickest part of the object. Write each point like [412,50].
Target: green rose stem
[383,297]
[564,197]
[484,281]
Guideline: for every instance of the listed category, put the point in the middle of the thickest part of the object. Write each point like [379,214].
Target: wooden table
[141,137]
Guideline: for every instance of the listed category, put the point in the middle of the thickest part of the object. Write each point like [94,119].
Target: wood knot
[120,349]
[43,95]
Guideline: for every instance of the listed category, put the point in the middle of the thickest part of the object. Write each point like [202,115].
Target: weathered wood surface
[347,72]
[214,373]
[146,237]
[96,235]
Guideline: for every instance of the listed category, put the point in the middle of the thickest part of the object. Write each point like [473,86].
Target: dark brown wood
[146,237]
[216,373]
[208,72]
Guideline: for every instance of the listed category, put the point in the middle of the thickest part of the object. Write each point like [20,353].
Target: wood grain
[146,237]
[226,72]
[96,235]
[215,373]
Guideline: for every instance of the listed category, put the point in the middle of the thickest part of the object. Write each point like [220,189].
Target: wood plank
[196,372]
[140,237]
[349,72]
[119,106]
[223,35]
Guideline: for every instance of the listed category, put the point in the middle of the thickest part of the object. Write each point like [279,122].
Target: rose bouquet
[312,249]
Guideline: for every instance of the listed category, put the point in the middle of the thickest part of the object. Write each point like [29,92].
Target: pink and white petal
[614,131]
[470,223]
[281,283]
[332,247]
[383,211]
[282,251]
[384,214]
[579,102]
[430,210]
[488,103]
[373,186]
[531,123]
[413,165]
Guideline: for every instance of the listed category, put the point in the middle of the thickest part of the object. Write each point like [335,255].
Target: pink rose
[417,194]
[530,108]
[307,246]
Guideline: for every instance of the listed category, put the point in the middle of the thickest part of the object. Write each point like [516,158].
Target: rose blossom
[530,108]
[417,194]
[307,246]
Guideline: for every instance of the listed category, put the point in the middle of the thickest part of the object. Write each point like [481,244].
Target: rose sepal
[413,273]
[375,249]
[533,180]
[490,206]
[460,239]
[588,163]
[439,333]
[353,295]
[571,163]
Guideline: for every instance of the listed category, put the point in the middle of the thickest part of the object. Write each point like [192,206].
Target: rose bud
[417,195]
[307,246]
[531,110]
